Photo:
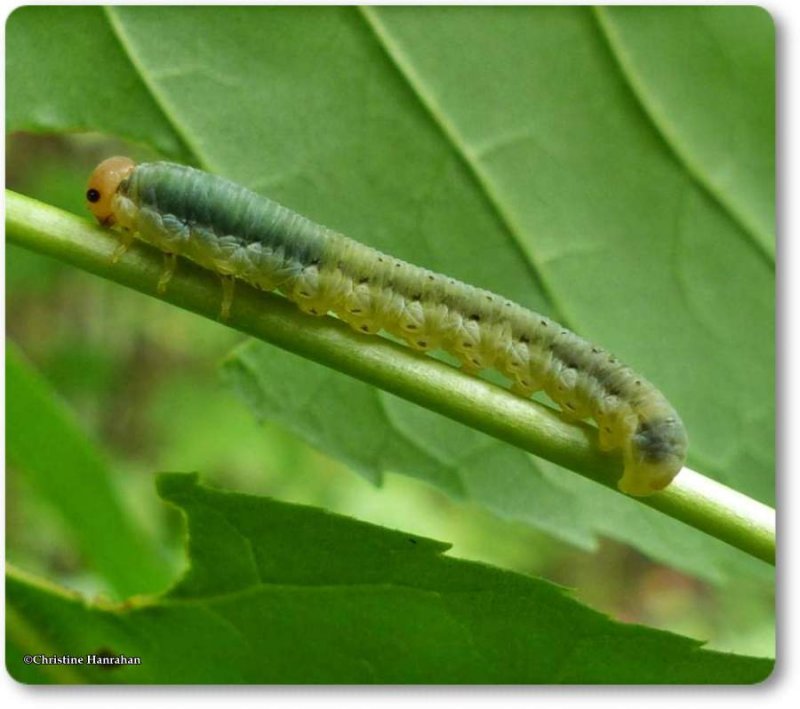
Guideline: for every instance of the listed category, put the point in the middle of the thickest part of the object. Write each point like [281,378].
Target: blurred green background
[626,170]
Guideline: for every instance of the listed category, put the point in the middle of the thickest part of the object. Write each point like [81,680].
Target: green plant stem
[692,498]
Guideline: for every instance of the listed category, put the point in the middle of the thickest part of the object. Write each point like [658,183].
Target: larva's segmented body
[228,229]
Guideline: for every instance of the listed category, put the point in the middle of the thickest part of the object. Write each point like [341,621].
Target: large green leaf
[520,149]
[48,449]
[289,594]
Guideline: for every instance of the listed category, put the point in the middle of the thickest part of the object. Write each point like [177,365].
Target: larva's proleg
[228,289]
[239,234]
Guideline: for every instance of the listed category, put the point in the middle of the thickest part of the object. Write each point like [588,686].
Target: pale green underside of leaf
[712,98]
[290,594]
[538,152]
[65,70]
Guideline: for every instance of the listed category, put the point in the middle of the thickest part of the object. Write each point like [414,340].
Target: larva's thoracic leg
[170,262]
[228,287]
[125,241]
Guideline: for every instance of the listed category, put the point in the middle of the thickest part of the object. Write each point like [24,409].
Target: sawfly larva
[239,234]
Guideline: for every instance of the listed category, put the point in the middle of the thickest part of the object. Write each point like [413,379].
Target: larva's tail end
[642,478]
[654,455]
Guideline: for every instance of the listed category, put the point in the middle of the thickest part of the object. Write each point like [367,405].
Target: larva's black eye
[92,195]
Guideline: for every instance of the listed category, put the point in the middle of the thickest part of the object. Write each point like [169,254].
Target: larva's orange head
[103,184]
